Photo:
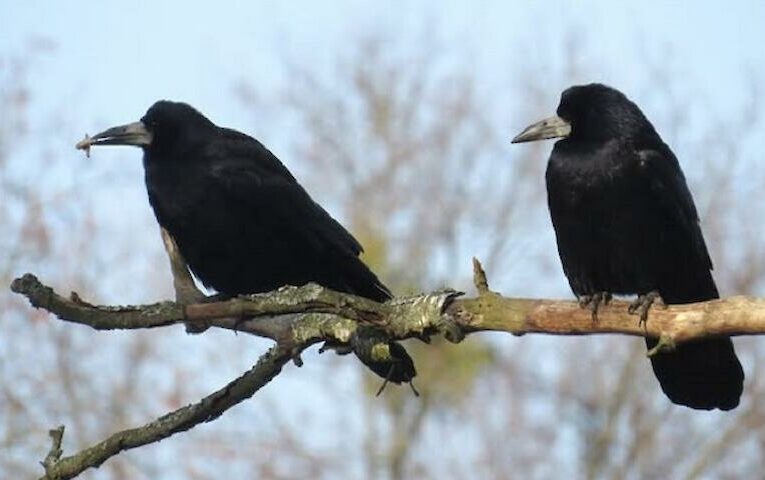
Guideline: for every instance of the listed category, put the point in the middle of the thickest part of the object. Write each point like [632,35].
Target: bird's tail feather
[704,375]
[361,281]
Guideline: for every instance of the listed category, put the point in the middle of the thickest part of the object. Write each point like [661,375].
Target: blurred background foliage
[400,126]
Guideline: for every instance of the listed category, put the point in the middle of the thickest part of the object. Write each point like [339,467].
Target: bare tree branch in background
[206,410]
[47,370]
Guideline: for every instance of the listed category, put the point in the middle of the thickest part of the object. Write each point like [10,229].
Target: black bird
[626,223]
[240,219]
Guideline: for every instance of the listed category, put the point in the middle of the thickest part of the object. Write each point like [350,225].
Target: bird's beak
[553,127]
[131,134]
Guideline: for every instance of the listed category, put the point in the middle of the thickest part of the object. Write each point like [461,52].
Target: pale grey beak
[131,134]
[553,127]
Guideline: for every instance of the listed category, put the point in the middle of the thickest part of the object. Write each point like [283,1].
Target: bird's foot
[643,304]
[387,380]
[414,390]
[199,326]
[339,348]
[594,301]
[239,322]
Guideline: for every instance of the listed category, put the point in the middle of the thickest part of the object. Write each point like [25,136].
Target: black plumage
[625,223]
[240,219]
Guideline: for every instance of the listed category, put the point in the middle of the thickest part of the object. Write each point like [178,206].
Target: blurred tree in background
[412,151]
[390,137]
[405,145]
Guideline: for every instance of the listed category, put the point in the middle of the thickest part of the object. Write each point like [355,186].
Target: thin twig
[56,435]
[479,277]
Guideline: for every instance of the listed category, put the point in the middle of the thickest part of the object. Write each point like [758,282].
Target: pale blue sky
[112,60]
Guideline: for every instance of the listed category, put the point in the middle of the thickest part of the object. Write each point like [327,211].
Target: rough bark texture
[329,315]
[209,408]
[317,314]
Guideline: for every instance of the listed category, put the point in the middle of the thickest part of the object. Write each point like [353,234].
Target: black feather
[241,220]
[626,223]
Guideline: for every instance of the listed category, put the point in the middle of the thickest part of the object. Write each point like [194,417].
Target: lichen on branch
[298,317]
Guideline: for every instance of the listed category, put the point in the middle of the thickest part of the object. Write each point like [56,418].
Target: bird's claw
[594,301]
[387,380]
[296,358]
[414,390]
[643,304]
[239,322]
[339,348]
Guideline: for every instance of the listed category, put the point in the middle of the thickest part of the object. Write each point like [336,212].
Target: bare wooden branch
[207,409]
[185,290]
[325,315]
[732,316]
[334,315]
[479,277]
[50,460]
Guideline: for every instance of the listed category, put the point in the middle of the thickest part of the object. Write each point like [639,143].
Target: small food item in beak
[84,144]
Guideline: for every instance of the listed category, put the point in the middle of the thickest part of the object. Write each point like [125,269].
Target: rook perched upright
[626,223]
[240,219]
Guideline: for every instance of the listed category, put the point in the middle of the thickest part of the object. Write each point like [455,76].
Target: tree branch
[332,315]
[207,409]
[186,291]
[325,315]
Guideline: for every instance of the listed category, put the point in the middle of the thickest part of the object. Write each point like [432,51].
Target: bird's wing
[704,374]
[248,171]
[668,182]
[668,187]
[682,259]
